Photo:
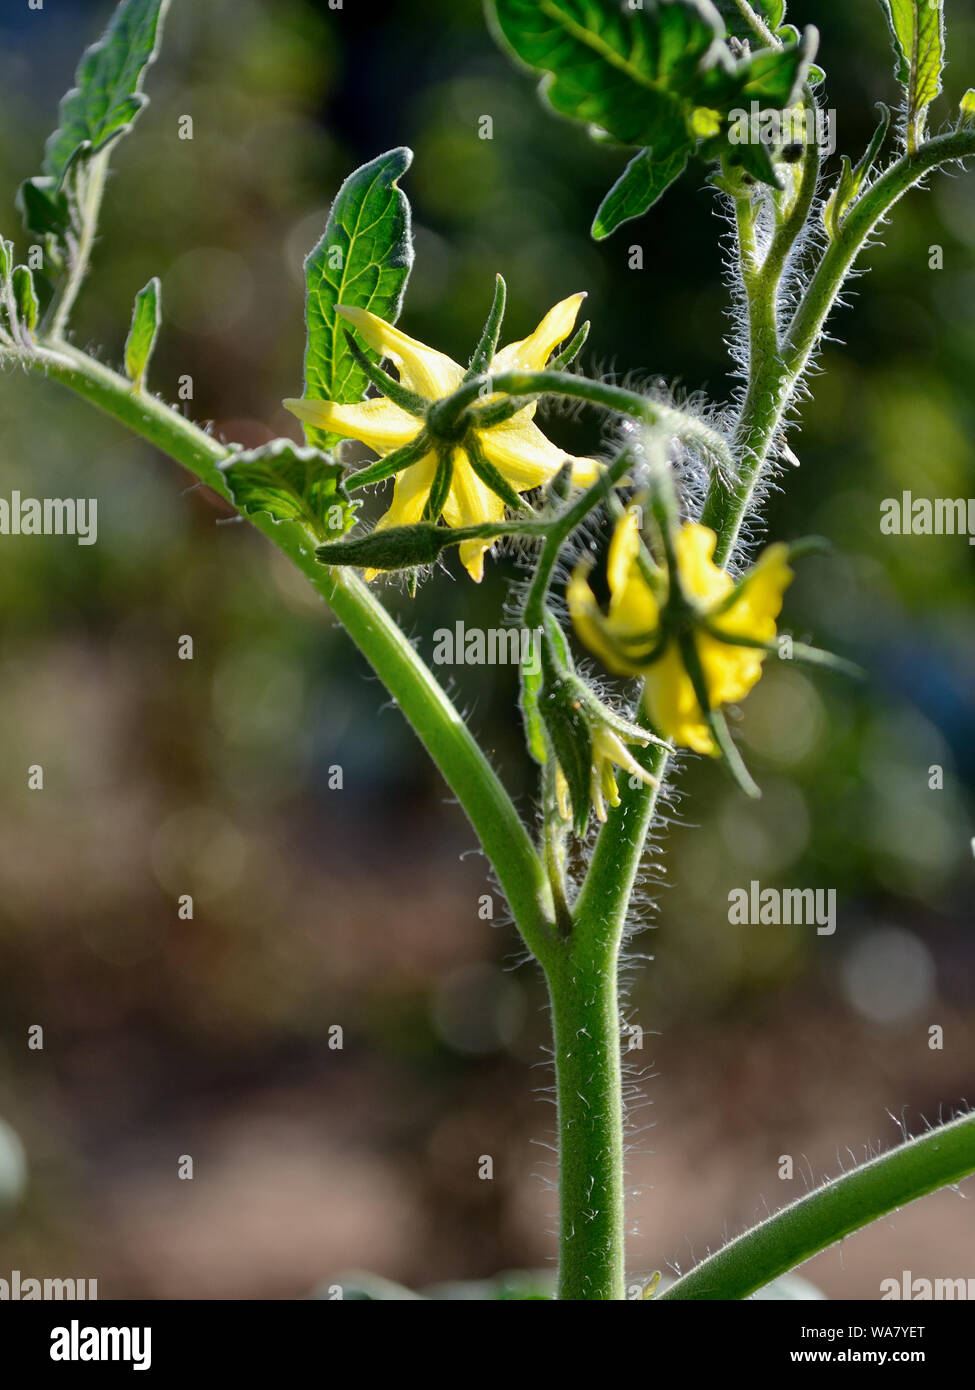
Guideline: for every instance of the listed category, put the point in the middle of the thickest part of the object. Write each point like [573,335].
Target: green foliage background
[318,907]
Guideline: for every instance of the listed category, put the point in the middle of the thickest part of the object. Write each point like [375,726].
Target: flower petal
[378,423]
[759,600]
[469,503]
[527,459]
[702,578]
[633,608]
[533,352]
[593,627]
[432,374]
[669,699]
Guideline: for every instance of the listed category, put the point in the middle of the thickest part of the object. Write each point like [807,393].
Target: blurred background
[361,908]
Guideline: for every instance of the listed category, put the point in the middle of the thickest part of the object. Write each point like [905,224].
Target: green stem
[92,192]
[410,682]
[774,376]
[583,990]
[818,1220]
[616,398]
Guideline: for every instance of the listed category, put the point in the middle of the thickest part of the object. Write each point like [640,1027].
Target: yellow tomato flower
[633,638]
[515,447]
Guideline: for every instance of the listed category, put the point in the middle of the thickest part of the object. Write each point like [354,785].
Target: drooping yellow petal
[729,672]
[669,700]
[378,423]
[702,579]
[469,503]
[593,627]
[633,607]
[758,602]
[520,451]
[431,374]
[624,547]
[533,352]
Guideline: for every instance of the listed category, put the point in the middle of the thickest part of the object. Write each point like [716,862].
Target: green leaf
[917,29]
[636,190]
[363,260]
[142,334]
[291,483]
[6,258]
[108,95]
[25,297]
[660,75]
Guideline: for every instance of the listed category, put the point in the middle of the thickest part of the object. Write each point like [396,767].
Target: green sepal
[531,684]
[141,341]
[25,297]
[490,476]
[488,344]
[291,483]
[392,548]
[381,469]
[393,390]
[442,480]
[567,730]
[852,178]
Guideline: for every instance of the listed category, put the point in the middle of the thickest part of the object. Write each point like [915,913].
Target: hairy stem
[818,1220]
[585,1012]
[774,377]
[91,201]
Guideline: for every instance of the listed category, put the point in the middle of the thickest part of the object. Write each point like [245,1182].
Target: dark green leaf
[363,260]
[291,483]
[660,75]
[637,189]
[108,95]
[142,334]
[43,207]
